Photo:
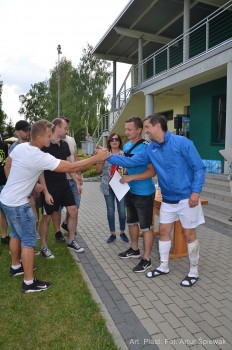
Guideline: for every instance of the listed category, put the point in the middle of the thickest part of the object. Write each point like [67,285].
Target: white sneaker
[47,253]
[75,246]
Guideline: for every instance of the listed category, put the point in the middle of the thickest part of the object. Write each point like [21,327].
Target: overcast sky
[32,29]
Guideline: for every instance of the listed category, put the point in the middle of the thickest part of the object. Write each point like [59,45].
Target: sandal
[191,281]
[230,219]
[156,273]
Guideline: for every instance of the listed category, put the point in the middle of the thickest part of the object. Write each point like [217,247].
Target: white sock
[164,249]
[16,267]
[28,282]
[193,251]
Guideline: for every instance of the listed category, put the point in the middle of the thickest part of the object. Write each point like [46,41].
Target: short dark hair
[64,118]
[119,139]
[158,119]
[137,122]
[57,121]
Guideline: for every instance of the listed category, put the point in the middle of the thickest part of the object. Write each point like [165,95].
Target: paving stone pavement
[157,313]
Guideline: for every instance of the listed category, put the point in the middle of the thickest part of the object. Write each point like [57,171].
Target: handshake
[101,154]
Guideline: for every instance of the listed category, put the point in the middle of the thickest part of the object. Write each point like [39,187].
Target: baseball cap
[22,125]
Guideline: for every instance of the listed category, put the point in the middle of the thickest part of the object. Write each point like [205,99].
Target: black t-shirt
[61,151]
[3,156]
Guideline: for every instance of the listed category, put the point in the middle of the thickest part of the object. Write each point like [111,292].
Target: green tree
[93,77]
[3,115]
[36,103]
[82,94]
[9,129]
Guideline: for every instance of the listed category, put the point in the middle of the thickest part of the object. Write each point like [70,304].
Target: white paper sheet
[119,189]
[227,154]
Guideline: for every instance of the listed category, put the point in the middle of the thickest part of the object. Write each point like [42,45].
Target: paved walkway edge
[109,321]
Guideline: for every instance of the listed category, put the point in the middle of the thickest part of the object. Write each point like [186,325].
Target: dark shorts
[140,210]
[62,196]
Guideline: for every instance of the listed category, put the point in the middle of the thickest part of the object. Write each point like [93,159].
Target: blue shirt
[177,163]
[139,187]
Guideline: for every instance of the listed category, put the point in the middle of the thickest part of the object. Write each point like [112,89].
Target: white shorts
[189,217]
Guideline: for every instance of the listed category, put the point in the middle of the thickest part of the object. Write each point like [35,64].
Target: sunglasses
[112,139]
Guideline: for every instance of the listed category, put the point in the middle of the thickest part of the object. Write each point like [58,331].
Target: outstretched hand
[101,153]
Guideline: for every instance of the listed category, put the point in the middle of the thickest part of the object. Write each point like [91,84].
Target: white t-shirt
[28,162]
[73,149]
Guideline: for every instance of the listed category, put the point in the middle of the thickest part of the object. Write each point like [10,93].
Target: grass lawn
[63,317]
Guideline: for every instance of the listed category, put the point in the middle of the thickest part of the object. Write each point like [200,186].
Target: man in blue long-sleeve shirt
[181,175]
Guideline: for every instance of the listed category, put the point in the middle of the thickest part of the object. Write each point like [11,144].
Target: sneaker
[75,246]
[5,240]
[111,238]
[37,252]
[36,286]
[124,237]
[17,272]
[59,236]
[47,253]
[130,253]
[64,227]
[142,266]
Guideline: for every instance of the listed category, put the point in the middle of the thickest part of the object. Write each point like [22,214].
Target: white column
[186,25]
[149,105]
[228,138]
[140,58]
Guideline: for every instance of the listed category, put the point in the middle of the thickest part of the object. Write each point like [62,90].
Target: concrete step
[218,177]
[217,219]
[219,206]
[217,184]
[211,193]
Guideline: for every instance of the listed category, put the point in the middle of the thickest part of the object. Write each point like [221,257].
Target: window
[219,119]
[167,114]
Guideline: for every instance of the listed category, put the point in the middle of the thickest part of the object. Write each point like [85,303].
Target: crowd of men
[45,172]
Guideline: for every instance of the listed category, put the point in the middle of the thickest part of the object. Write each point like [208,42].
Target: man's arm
[67,167]
[126,162]
[150,172]
[48,198]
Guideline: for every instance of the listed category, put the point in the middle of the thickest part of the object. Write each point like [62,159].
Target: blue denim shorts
[22,223]
[75,193]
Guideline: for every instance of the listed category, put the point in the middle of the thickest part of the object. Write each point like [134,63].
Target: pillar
[186,25]
[149,105]
[228,138]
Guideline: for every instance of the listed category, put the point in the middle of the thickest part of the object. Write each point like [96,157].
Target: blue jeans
[110,206]
[75,193]
[22,223]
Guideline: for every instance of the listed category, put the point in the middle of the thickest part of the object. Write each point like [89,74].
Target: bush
[91,171]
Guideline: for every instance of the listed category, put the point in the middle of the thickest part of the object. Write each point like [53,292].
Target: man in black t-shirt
[3,155]
[58,192]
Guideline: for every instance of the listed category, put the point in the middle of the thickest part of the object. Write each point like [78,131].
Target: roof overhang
[156,22]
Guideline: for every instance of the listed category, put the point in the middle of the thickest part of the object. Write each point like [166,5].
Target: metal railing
[107,121]
[210,33]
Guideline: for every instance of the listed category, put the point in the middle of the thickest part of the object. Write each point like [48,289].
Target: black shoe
[130,253]
[142,266]
[5,240]
[17,272]
[36,286]
[64,227]
[59,237]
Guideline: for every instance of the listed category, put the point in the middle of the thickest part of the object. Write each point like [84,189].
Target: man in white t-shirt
[24,166]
